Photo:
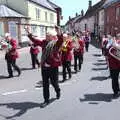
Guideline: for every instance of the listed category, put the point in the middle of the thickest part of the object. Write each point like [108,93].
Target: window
[13,29]
[102,16]
[37,13]
[1,29]
[51,17]
[34,29]
[117,13]
[42,32]
[46,17]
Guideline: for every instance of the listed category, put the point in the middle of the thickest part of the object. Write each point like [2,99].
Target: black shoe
[44,104]
[70,76]
[115,95]
[58,95]
[10,76]
[64,79]
[19,73]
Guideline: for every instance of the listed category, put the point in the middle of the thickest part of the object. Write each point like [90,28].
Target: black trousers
[86,46]
[115,80]
[12,63]
[34,58]
[66,66]
[49,75]
[78,60]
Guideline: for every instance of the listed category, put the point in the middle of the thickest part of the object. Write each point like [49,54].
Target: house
[72,24]
[112,17]
[92,16]
[42,14]
[8,21]
[58,10]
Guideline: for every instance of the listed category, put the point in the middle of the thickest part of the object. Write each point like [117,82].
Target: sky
[70,7]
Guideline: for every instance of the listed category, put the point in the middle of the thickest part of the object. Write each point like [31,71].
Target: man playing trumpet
[11,55]
[78,52]
[66,56]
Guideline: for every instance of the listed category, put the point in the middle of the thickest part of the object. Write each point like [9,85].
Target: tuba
[114,51]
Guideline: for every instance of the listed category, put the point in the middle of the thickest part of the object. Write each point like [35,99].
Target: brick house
[112,17]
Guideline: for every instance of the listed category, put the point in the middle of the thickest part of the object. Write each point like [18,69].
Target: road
[87,96]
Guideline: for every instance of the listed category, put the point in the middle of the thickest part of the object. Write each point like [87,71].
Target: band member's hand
[27,29]
[58,30]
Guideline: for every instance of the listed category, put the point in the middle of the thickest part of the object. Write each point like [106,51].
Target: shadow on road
[22,107]
[24,69]
[97,55]
[98,64]
[3,77]
[101,60]
[99,78]
[92,98]
[98,69]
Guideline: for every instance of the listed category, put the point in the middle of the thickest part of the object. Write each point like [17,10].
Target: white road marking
[14,92]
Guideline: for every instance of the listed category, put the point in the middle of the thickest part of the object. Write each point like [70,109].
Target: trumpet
[114,51]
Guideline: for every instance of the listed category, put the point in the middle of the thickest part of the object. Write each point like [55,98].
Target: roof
[43,3]
[53,4]
[93,9]
[5,11]
[77,18]
[109,2]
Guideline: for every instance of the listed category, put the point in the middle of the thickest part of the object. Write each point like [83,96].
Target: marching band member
[103,45]
[78,52]
[87,41]
[50,60]
[34,51]
[66,56]
[11,55]
[114,65]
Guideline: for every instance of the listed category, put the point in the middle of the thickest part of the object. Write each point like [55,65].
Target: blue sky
[70,7]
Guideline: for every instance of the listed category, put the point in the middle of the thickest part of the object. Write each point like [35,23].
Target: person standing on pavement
[11,55]
[66,56]
[87,41]
[34,51]
[50,60]
[114,65]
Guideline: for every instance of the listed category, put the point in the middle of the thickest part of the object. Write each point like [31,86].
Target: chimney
[69,18]
[76,14]
[90,4]
[82,13]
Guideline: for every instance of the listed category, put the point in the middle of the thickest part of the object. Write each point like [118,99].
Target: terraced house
[38,15]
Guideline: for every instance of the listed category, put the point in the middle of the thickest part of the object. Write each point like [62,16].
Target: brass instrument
[4,45]
[64,46]
[114,51]
[76,44]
